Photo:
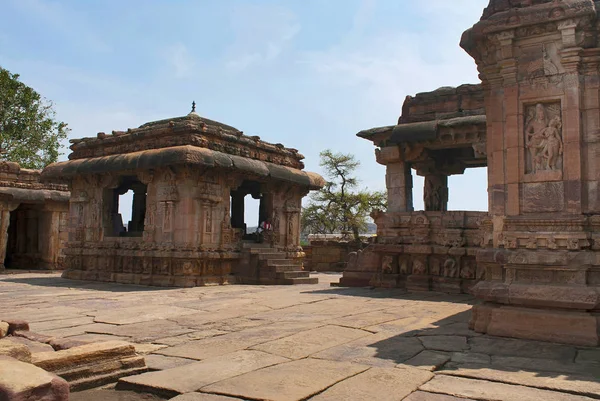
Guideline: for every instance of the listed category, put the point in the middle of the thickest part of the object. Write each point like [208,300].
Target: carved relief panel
[543,138]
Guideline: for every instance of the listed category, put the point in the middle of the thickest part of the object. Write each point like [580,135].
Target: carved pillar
[541,270]
[435,193]
[138,211]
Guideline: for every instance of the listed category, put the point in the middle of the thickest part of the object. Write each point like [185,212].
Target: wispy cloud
[180,60]
[262,33]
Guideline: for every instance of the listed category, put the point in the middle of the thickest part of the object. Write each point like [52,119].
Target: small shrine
[439,134]
[33,220]
[189,177]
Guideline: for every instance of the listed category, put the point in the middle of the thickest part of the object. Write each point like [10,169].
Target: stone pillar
[435,193]
[138,211]
[398,179]
[542,270]
[5,209]
[237,209]
[49,238]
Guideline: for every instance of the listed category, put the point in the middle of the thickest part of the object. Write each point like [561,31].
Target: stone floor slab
[191,377]
[427,360]
[367,319]
[309,342]
[185,338]
[292,381]
[60,324]
[379,350]
[588,356]
[202,397]
[377,384]
[424,396]
[137,314]
[161,362]
[522,348]
[445,343]
[147,331]
[490,391]
[551,381]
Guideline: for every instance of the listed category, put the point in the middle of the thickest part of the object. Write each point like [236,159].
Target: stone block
[4,329]
[15,350]
[92,365]
[17,325]
[20,381]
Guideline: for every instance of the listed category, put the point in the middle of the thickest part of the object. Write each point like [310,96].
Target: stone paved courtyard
[302,342]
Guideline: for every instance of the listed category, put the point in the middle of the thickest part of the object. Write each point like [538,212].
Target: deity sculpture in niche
[435,193]
[543,138]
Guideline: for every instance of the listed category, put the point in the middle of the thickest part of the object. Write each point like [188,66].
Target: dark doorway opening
[23,249]
[130,195]
[248,208]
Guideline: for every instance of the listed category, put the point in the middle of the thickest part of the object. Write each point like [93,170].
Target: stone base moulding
[561,326]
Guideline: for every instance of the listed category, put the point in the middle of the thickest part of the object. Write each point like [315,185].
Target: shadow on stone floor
[449,347]
[59,282]
[394,293]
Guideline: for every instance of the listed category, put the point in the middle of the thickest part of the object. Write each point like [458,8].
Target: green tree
[338,207]
[29,132]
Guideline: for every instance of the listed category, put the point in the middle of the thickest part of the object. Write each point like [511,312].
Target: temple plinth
[538,62]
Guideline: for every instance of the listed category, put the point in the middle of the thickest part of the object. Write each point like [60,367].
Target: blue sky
[307,73]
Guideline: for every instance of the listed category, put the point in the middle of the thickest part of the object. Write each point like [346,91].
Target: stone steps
[296,281]
[275,268]
[292,274]
[284,262]
[272,255]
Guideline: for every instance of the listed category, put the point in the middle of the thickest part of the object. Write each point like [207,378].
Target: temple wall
[187,238]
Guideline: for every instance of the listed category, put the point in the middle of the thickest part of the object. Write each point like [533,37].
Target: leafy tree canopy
[339,207]
[29,132]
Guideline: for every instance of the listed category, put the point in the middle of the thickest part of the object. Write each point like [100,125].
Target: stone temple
[189,177]
[534,259]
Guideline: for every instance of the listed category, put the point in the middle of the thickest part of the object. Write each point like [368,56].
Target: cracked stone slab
[290,381]
[99,328]
[143,313]
[161,362]
[41,327]
[309,342]
[367,319]
[196,335]
[377,384]
[231,342]
[381,350]
[408,326]
[522,348]
[544,365]
[202,397]
[146,331]
[424,396]
[491,391]
[192,377]
[445,343]
[427,360]
[471,357]
[557,382]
